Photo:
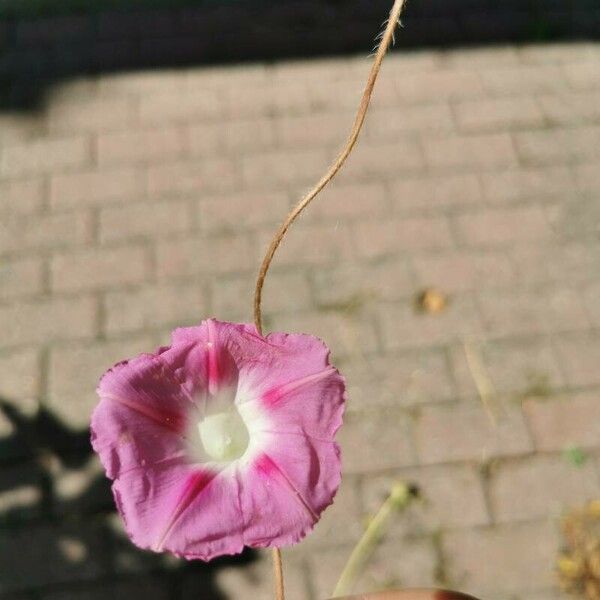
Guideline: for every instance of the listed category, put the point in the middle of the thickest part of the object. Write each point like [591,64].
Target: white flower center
[224,435]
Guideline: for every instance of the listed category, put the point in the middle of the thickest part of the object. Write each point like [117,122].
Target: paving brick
[523,79]
[214,175]
[480,559]
[44,155]
[558,145]
[403,327]
[273,169]
[93,114]
[570,109]
[540,487]
[517,369]
[21,277]
[498,114]
[98,269]
[268,100]
[328,243]
[583,75]
[493,227]
[19,374]
[440,84]
[518,185]
[21,197]
[180,105]
[450,496]
[573,420]
[416,569]
[392,123]
[579,358]
[463,271]
[545,310]
[20,234]
[74,372]
[476,152]
[46,321]
[144,221]
[575,219]
[146,145]
[93,188]
[231,212]
[435,192]
[150,307]
[587,176]
[384,237]
[466,432]
[313,130]
[184,258]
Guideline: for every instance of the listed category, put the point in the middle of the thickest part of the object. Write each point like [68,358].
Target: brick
[503,226]
[313,130]
[540,487]
[379,238]
[181,106]
[45,232]
[522,184]
[583,76]
[344,96]
[76,554]
[148,145]
[348,202]
[284,292]
[557,53]
[557,263]
[81,490]
[46,321]
[466,432]
[562,422]
[310,244]
[587,176]
[344,333]
[545,310]
[214,175]
[375,440]
[523,79]
[482,57]
[353,286]
[570,109]
[90,114]
[402,327]
[481,151]
[74,372]
[558,145]
[462,271]
[591,295]
[440,84]
[391,123]
[384,569]
[401,379]
[98,269]
[184,258]
[435,192]
[232,297]
[503,561]
[151,307]
[268,100]
[242,210]
[265,170]
[492,115]
[516,369]
[20,493]
[44,155]
[159,219]
[232,76]
[19,375]
[21,277]
[21,197]
[378,161]
[574,220]
[148,587]
[93,188]
[451,496]
[579,358]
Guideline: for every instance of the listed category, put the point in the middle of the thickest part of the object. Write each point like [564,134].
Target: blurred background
[148,150]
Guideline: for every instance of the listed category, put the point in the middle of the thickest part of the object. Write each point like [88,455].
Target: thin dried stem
[278,574]
[386,41]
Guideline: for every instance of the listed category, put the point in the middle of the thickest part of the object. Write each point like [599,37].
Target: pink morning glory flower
[222,440]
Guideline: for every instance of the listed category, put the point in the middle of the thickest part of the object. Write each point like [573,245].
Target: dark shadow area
[58,532]
[36,52]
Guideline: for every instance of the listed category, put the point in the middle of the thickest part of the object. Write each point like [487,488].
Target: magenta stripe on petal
[268,467]
[171,420]
[191,490]
[275,394]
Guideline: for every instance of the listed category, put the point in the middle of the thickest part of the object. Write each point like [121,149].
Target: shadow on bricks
[59,532]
